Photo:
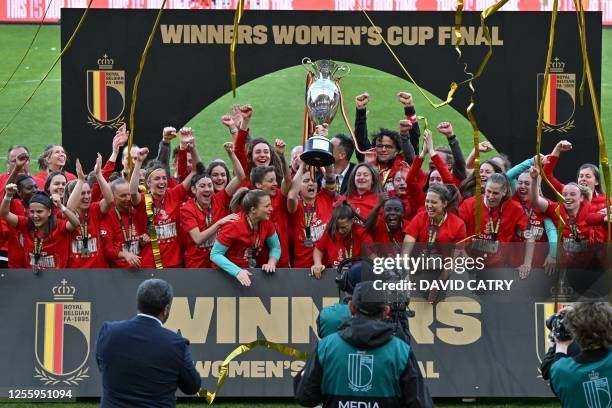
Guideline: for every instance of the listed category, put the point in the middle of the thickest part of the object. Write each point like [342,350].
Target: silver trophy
[322,102]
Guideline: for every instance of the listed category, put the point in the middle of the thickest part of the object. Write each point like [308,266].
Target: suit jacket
[341,189]
[143,363]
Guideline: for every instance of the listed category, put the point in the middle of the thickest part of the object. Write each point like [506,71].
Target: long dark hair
[352,186]
[343,211]
[468,186]
[50,177]
[275,161]
[447,193]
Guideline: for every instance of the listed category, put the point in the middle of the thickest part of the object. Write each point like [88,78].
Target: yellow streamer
[453,86]
[603,154]
[153,232]
[210,396]
[143,58]
[64,50]
[237,18]
[29,47]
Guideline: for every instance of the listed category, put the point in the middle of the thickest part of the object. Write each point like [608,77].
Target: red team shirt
[95,259]
[167,226]
[575,251]
[512,223]
[338,249]
[535,223]
[322,213]
[114,240]
[363,204]
[41,178]
[238,237]
[192,216]
[452,228]
[54,253]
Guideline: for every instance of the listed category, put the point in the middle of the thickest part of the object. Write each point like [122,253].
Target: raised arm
[551,162]
[75,197]
[361,125]
[246,112]
[483,147]
[135,179]
[294,191]
[73,220]
[459,165]
[163,151]
[232,121]
[536,195]
[279,147]
[188,142]
[5,208]
[405,126]
[239,175]
[108,197]
[20,162]
[372,221]
[405,99]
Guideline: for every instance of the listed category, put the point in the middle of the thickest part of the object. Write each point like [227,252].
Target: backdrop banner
[33,10]
[471,344]
[188,68]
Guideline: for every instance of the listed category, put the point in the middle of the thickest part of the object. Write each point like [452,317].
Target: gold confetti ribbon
[346,120]
[237,18]
[64,50]
[42,20]
[453,86]
[603,154]
[143,59]
[153,231]
[210,396]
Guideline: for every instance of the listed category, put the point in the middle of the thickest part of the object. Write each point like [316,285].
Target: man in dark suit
[343,152]
[142,363]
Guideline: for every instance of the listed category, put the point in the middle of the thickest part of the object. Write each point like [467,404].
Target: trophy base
[318,152]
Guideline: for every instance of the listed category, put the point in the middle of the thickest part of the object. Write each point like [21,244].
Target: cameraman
[363,362]
[558,334]
[333,317]
[584,380]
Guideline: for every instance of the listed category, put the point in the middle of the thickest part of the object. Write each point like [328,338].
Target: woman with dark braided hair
[53,158]
[342,239]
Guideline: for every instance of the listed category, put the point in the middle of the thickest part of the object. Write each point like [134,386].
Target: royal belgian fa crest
[559,98]
[597,391]
[62,338]
[105,95]
[360,371]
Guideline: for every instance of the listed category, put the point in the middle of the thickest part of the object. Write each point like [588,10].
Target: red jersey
[505,223]
[341,248]
[451,230]
[363,203]
[119,232]
[166,219]
[41,178]
[16,257]
[91,223]
[387,171]
[280,219]
[195,216]
[576,232]
[54,251]
[241,240]
[383,235]
[318,216]
[535,224]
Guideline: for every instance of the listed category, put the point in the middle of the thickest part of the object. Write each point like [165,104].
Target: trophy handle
[308,65]
[341,71]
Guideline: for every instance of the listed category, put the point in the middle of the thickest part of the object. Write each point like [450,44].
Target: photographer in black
[363,362]
[584,380]
[558,333]
[333,317]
